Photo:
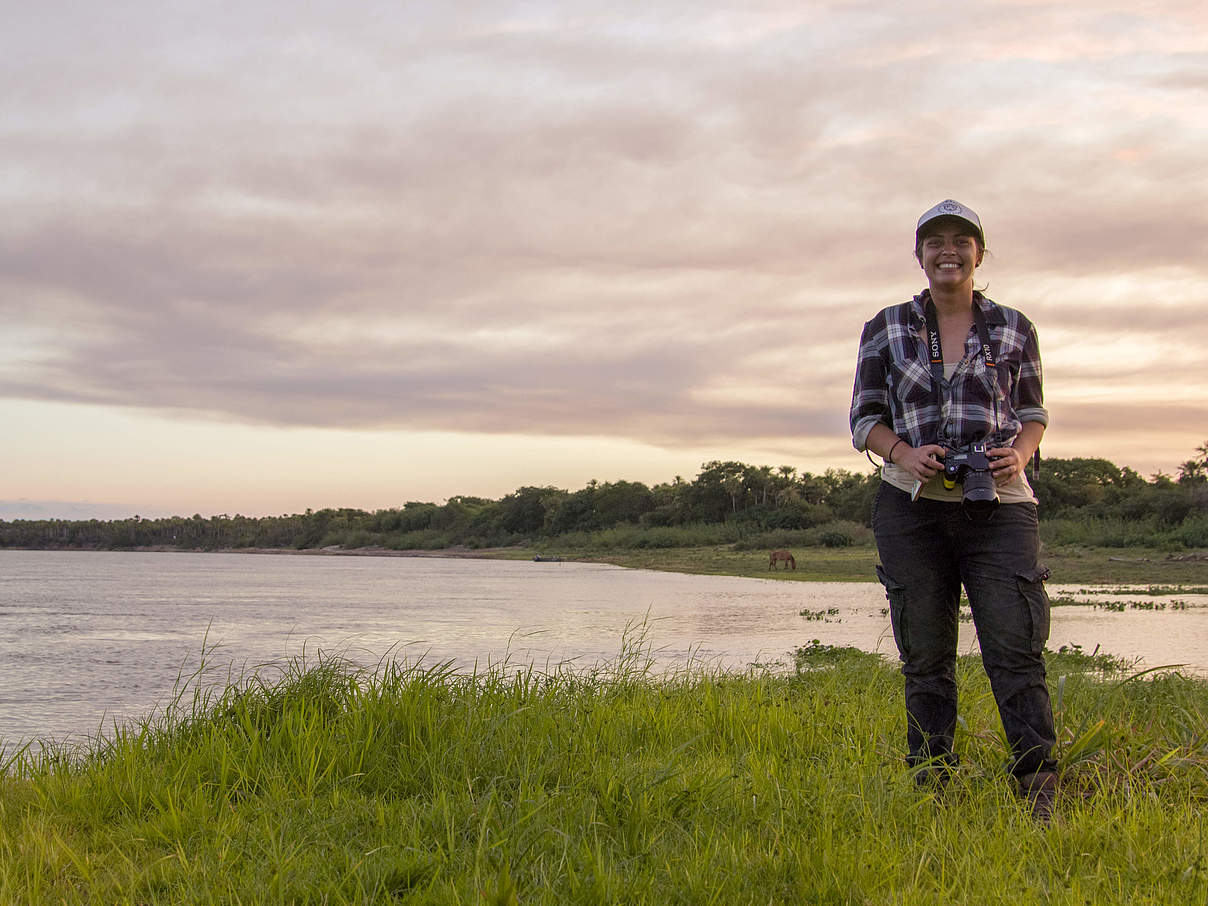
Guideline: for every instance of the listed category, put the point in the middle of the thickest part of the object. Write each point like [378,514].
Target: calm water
[90,638]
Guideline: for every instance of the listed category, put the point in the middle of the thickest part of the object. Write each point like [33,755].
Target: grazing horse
[782,555]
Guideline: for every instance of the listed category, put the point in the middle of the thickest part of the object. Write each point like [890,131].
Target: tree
[851,493]
[1195,470]
[716,491]
[1066,484]
[575,513]
[786,485]
[523,511]
[670,504]
[761,481]
[622,501]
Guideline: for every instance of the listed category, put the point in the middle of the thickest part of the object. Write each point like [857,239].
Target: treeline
[1082,501]
[1094,502]
[739,496]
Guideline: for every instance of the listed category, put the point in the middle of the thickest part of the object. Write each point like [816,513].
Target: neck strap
[937,352]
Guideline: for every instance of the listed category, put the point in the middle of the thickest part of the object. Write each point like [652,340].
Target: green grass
[420,784]
[813,564]
[834,552]
[1069,566]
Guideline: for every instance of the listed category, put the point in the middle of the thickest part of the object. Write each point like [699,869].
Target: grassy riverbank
[420,785]
[1070,565]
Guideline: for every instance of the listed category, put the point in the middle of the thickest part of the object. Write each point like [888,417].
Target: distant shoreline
[465,553]
[495,553]
[1069,565]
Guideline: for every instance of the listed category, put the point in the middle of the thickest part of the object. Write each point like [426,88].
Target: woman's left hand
[1005,464]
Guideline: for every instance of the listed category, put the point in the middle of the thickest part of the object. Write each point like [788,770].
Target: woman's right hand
[924,462]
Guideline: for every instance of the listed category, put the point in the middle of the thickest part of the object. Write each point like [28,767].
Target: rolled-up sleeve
[870,402]
[1027,398]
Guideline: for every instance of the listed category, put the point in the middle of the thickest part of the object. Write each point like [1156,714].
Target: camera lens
[979,497]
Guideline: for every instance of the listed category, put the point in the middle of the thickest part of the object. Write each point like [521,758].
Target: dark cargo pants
[928,549]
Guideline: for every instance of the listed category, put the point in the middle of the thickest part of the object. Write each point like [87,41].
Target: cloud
[661,225]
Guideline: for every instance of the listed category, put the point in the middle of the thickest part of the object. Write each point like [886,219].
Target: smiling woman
[948,391]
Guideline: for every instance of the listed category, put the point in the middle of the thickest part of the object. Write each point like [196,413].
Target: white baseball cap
[950,208]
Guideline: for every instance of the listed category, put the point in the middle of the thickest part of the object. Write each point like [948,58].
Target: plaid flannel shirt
[894,382]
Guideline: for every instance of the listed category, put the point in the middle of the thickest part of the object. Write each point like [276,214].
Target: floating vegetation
[1117,606]
[1120,606]
[819,654]
[1068,601]
[1158,590]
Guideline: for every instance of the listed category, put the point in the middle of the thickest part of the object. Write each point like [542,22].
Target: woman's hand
[1008,462]
[922,462]
[1005,464]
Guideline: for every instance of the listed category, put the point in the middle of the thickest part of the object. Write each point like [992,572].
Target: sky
[259,257]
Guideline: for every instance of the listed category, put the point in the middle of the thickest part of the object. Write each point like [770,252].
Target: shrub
[422,540]
[832,534]
[1193,533]
[835,539]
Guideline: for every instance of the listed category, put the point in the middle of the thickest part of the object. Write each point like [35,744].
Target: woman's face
[949,254]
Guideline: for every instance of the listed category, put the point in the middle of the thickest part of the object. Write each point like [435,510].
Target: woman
[941,373]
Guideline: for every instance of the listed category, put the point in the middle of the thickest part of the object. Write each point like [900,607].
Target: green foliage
[1119,532]
[1097,490]
[817,654]
[835,539]
[661,537]
[833,534]
[1093,502]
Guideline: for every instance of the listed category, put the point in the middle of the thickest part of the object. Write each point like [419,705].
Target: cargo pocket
[895,594]
[1031,588]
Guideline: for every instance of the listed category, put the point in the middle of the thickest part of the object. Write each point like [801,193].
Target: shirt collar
[994,315]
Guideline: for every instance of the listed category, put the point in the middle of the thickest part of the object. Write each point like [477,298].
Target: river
[94,638]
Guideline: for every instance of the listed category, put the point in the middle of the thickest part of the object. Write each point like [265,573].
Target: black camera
[970,466]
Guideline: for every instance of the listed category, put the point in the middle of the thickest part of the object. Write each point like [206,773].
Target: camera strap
[937,352]
[987,351]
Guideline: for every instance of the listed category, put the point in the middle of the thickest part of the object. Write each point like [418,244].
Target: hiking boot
[934,773]
[1040,790]
[934,778]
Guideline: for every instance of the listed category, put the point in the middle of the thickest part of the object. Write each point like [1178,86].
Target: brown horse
[782,555]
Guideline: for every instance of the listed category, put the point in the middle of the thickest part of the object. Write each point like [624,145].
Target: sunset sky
[264,256]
